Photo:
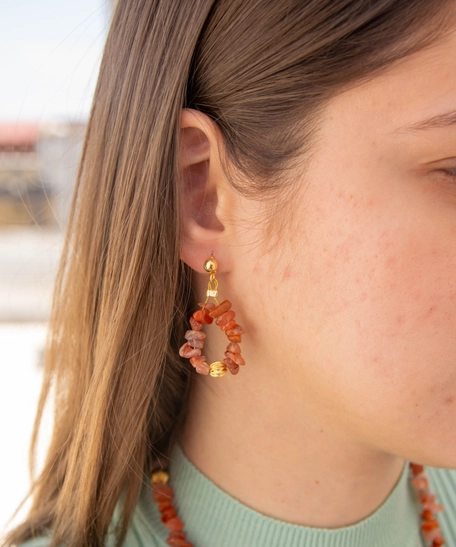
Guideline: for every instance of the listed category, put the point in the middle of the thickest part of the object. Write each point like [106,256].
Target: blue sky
[49,57]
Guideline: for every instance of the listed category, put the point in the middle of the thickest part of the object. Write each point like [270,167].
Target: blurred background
[50,56]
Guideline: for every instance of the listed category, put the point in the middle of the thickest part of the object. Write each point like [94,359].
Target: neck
[275,451]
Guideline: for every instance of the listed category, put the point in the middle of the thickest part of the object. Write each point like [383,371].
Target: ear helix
[224,318]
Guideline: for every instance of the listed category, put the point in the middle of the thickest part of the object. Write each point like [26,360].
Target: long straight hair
[261,69]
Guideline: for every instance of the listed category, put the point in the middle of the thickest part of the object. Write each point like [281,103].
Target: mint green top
[213,518]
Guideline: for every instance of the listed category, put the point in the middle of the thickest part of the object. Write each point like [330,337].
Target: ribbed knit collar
[213,518]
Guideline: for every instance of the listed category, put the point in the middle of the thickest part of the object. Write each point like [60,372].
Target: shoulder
[145,530]
[138,535]
[442,483]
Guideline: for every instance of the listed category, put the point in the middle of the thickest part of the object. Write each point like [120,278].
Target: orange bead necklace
[163,494]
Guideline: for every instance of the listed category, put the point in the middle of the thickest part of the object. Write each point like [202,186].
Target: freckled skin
[372,294]
[351,319]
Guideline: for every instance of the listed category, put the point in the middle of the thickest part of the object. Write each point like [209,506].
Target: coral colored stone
[196,325]
[174,524]
[187,351]
[416,468]
[202,316]
[168,514]
[229,325]
[231,365]
[197,360]
[430,535]
[237,329]
[196,343]
[428,501]
[230,355]
[207,317]
[162,492]
[195,335]
[234,337]
[225,318]
[208,306]
[437,542]
[202,368]
[162,505]
[426,497]
[221,308]
[237,358]
[420,482]
[233,347]
[199,316]
[429,525]
[427,514]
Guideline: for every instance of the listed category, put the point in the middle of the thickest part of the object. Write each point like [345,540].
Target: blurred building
[38,166]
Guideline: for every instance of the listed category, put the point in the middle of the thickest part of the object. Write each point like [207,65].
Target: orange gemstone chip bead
[429,525]
[225,319]
[163,494]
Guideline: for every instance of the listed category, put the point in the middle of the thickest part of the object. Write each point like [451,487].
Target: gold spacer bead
[211,265]
[160,476]
[217,369]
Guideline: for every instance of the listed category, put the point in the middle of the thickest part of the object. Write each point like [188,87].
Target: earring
[224,318]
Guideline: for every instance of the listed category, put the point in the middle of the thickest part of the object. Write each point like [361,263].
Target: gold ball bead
[210,265]
[160,476]
[217,369]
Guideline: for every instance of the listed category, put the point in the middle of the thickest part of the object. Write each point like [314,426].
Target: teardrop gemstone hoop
[225,318]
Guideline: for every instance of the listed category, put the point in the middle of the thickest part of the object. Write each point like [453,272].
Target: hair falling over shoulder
[261,69]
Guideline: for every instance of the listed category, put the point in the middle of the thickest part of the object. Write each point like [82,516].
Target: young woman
[296,158]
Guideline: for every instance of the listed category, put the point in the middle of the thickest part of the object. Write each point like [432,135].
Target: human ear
[203,191]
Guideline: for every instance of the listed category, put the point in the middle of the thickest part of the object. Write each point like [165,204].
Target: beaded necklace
[430,529]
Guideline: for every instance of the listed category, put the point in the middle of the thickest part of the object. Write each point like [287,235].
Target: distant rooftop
[18,136]
[23,137]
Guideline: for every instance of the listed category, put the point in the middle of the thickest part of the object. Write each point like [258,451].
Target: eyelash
[450,172]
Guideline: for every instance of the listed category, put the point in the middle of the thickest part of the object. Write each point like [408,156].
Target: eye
[450,172]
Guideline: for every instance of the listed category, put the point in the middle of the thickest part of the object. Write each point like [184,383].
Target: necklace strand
[163,494]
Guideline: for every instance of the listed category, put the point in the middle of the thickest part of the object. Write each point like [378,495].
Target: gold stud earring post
[210,266]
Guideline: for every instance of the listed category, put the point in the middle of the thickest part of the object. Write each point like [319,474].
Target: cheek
[377,312]
[383,283]
[402,303]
